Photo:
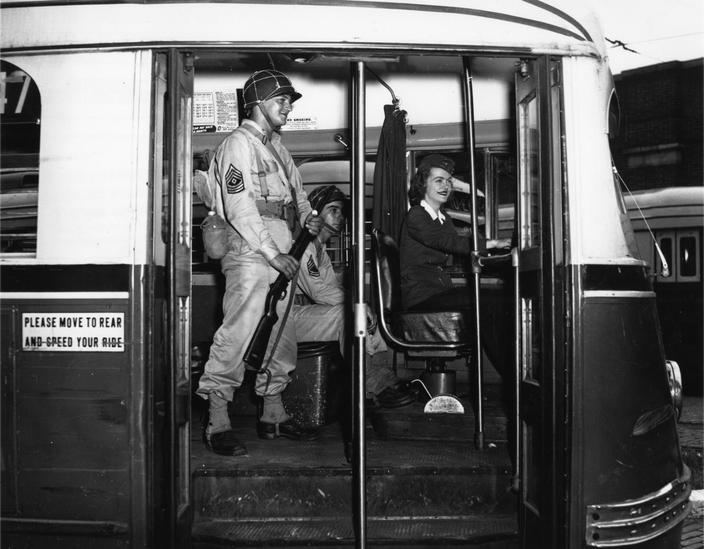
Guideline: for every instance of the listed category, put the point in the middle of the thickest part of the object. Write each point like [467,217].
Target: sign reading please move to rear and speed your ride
[75,332]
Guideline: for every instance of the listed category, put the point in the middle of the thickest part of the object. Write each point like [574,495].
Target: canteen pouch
[214,235]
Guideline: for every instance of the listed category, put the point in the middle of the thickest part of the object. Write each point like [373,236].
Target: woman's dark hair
[419,184]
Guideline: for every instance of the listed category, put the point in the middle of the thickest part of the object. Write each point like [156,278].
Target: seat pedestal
[438,383]
[437,379]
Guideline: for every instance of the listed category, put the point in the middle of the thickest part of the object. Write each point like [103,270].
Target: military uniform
[318,284]
[257,199]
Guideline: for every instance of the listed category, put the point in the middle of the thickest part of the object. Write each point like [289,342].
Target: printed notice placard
[74,332]
[215,111]
[296,124]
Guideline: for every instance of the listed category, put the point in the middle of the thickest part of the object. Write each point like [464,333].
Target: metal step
[418,532]
[390,492]
[420,493]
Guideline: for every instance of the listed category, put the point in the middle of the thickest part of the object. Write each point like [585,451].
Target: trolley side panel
[68,426]
[629,424]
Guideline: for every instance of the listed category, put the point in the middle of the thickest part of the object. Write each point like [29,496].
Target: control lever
[482,259]
[341,140]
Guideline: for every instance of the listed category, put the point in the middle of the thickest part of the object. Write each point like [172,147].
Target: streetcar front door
[540,304]
[172,163]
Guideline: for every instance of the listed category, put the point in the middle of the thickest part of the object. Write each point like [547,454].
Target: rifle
[254,355]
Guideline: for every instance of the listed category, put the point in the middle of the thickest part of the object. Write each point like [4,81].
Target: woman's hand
[500,244]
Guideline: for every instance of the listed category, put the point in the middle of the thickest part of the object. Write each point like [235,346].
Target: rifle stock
[254,355]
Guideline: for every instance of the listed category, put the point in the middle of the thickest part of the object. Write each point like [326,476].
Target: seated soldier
[327,300]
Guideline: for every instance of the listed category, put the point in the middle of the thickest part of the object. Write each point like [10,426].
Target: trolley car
[108,108]
[673,217]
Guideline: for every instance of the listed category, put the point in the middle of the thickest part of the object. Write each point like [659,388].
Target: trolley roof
[509,26]
[671,202]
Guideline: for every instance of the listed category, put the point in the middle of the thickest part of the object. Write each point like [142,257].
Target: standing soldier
[260,195]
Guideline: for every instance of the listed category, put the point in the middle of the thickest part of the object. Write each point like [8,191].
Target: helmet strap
[332,229]
[268,119]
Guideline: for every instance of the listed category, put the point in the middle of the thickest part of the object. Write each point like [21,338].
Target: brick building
[660,139]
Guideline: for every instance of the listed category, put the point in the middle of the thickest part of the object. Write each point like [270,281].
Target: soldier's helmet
[318,193]
[263,85]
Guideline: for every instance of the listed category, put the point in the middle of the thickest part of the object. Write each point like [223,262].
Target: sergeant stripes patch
[234,180]
[312,268]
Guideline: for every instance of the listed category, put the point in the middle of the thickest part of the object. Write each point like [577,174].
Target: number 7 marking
[16,77]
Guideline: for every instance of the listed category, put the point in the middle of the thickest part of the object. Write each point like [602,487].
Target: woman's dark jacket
[425,246]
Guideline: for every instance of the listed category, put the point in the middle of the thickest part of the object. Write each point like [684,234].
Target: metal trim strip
[635,521]
[101,528]
[562,15]
[366,4]
[64,295]
[618,293]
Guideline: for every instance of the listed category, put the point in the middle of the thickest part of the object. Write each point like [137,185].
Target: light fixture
[302,57]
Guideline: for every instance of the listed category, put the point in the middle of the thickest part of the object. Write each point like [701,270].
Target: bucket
[313,396]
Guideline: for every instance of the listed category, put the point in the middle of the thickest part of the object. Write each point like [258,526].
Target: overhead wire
[619,44]
[625,46]
[667,37]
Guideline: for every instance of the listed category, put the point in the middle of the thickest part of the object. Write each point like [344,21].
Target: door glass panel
[532,484]
[500,189]
[160,195]
[530,171]
[527,338]
[184,449]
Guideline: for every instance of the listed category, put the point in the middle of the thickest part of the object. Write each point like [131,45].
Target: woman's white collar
[433,214]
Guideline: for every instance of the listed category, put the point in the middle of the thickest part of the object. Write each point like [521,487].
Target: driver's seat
[435,335]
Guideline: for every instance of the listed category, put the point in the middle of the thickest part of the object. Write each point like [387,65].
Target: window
[20,115]
[682,251]
[688,255]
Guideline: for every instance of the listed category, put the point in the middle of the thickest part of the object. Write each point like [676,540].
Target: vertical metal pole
[515,476]
[476,275]
[360,307]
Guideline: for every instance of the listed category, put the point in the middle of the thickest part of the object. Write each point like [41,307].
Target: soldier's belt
[270,209]
[279,210]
